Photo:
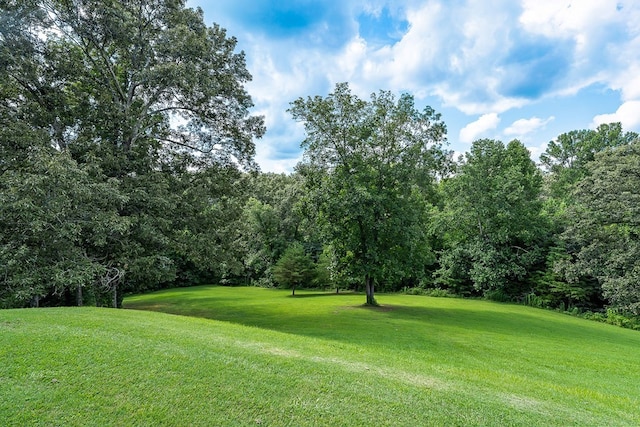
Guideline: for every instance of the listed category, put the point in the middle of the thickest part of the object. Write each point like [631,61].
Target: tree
[603,239]
[491,223]
[566,161]
[261,239]
[271,221]
[204,234]
[51,211]
[144,98]
[294,268]
[566,158]
[369,167]
[125,70]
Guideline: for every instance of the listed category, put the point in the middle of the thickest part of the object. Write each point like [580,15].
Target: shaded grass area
[262,357]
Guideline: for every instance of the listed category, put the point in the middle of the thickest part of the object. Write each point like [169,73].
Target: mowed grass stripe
[328,361]
[181,377]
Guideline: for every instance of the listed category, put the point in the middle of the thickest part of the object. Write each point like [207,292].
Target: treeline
[561,234]
[126,165]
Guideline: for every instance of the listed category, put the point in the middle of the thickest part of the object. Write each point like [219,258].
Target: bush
[264,282]
[439,292]
[533,300]
[597,316]
[497,295]
[611,316]
[433,292]
[621,319]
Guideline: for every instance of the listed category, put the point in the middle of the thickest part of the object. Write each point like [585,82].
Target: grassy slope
[314,360]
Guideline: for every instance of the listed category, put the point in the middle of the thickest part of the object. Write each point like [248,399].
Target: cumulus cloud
[449,51]
[605,36]
[483,59]
[522,127]
[567,19]
[270,163]
[628,115]
[627,77]
[536,150]
[476,129]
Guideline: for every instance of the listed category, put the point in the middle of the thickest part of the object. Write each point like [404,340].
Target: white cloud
[536,150]
[421,44]
[461,101]
[348,62]
[269,164]
[522,127]
[474,56]
[473,130]
[627,77]
[581,20]
[606,36]
[449,51]
[628,114]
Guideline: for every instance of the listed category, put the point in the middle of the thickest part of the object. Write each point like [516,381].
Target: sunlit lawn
[255,356]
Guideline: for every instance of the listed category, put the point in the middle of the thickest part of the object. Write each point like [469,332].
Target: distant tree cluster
[126,165]
[563,236]
[393,208]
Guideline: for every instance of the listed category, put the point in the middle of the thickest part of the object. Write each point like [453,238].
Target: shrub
[617,318]
[611,316]
[432,292]
[533,300]
[497,295]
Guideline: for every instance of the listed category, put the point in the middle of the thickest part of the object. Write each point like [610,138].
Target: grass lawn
[252,356]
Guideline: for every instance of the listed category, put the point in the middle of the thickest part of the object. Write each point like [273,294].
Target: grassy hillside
[261,357]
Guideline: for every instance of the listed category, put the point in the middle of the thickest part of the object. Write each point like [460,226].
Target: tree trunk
[115,296]
[79,296]
[293,291]
[368,283]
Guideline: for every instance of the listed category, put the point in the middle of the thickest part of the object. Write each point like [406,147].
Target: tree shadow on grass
[321,294]
[403,326]
[410,328]
[398,327]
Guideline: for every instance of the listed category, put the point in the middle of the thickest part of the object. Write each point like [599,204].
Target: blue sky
[503,69]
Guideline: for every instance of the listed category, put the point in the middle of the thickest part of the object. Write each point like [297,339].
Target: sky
[501,69]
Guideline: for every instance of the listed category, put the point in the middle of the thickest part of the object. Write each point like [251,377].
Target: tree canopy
[492,223]
[369,167]
[604,238]
[147,103]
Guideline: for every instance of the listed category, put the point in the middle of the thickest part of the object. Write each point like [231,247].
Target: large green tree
[491,224]
[50,209]
[369,167]
[144,97]
[566,163]
[603,239]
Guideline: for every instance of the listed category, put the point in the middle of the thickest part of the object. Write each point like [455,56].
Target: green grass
[253,356]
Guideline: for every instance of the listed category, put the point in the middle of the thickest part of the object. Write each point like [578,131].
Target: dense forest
[127,165]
